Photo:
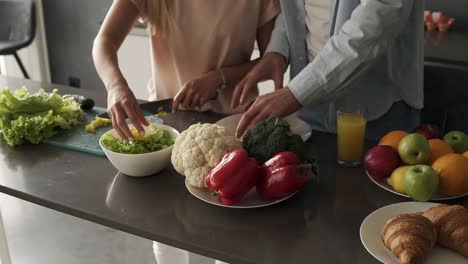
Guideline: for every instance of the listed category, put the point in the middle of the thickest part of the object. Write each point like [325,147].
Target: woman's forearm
[120,19]
[106,63]
[233,74]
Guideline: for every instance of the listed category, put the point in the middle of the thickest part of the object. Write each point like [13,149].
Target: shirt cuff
[283,50]
[306,90]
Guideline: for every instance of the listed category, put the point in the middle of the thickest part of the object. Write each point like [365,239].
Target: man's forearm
[279,40]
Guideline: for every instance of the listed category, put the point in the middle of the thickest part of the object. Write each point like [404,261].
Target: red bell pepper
[233,177]
[282,175]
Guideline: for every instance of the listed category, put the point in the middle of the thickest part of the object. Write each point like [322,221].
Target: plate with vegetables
[264,169]
[239,182]
[297,125]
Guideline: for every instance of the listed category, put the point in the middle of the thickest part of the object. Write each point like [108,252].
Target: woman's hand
[198,91]
[121,103]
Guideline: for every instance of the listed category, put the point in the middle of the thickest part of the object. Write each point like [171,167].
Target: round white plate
[250,200]
[372,226]
[297,125]
[384,185]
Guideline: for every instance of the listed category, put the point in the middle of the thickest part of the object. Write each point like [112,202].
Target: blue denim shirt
[374,58]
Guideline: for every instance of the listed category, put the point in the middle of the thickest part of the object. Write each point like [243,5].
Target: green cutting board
[78,139]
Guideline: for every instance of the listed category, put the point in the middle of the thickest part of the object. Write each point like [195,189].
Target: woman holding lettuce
[200,50]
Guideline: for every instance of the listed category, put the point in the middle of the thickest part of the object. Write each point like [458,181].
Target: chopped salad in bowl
[155,138]
[146,155]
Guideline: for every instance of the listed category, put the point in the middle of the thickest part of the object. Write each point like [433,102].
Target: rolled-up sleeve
[268,11]
[373,26]
[279,40]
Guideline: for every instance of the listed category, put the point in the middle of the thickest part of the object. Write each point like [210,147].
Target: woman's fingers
[195,101]
[188,99]
[114,123]
[178,99]
[130,112]
[121,124]
[237,93]
[140,116]
[249,86]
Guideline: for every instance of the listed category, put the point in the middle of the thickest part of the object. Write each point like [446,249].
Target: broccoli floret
[270,137]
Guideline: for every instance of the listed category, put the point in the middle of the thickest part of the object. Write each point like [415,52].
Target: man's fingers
[246,120]
[248,106]
[258,118]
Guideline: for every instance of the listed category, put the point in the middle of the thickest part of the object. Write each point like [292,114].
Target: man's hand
[277,104]
[271,67]
[197,92]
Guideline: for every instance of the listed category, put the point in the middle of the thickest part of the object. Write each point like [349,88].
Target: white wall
[135,63]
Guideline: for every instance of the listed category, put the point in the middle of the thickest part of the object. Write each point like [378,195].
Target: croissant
[451,223]
[410,237]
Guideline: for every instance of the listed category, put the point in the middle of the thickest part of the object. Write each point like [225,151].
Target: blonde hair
[159,19]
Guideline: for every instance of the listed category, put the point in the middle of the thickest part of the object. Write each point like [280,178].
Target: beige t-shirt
[318,25]
[207,34]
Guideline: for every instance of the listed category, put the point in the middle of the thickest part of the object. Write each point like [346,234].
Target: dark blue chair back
[17,24]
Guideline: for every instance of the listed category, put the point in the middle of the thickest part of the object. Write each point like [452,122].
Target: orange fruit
[453,174]
[465,154]
[438,149]
[393,138]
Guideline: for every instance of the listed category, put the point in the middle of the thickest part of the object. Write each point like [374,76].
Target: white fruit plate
[384,185]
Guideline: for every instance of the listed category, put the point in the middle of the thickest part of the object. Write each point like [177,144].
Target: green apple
[414,149]
[421,182]
[458,140]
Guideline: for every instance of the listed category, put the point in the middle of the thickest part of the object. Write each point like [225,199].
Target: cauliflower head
[199,149]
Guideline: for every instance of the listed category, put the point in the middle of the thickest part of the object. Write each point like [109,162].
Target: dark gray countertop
[318,225]
[446,47]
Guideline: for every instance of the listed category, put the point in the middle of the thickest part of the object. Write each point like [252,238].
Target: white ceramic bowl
[139,165]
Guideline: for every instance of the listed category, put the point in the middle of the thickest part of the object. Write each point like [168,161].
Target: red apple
[380,161]
[429,131]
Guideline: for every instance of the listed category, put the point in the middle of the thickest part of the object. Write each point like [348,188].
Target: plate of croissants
[414,232]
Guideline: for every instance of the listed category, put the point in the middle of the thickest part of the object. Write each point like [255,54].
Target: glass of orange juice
[351,130]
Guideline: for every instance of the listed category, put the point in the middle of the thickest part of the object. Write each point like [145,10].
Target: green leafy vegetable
[269,138]
[31,118]
[155,139]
